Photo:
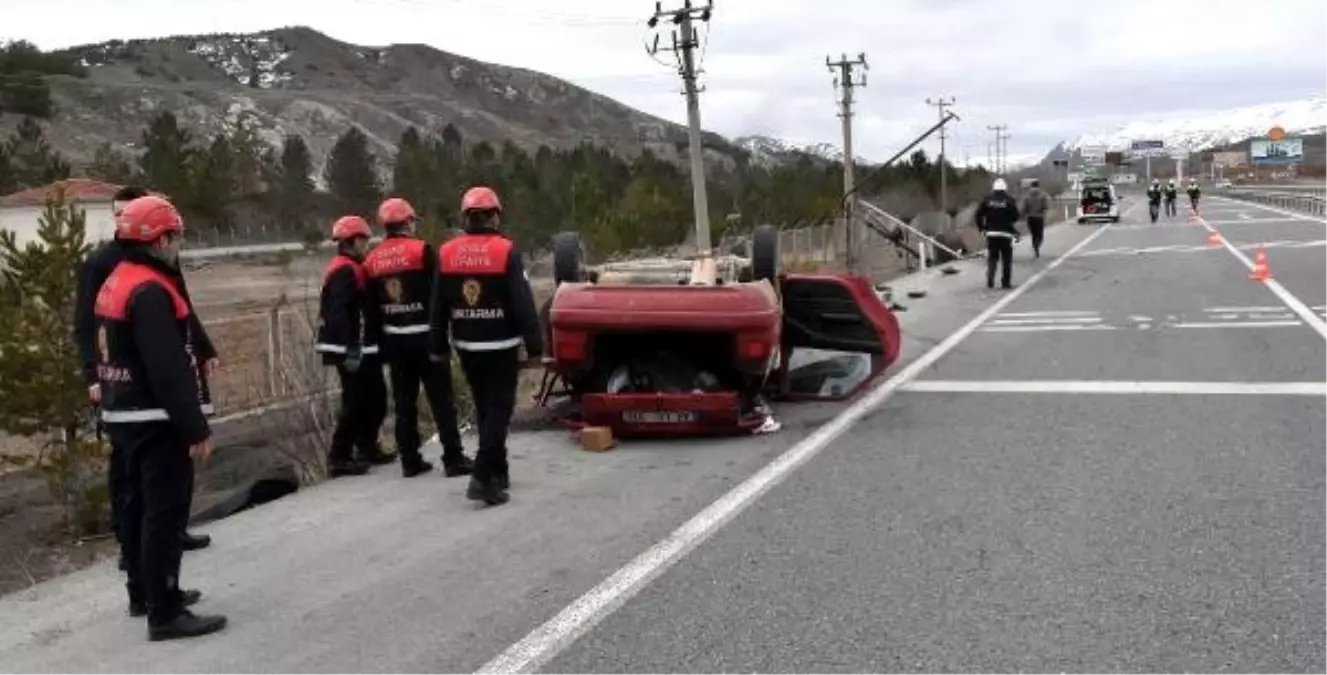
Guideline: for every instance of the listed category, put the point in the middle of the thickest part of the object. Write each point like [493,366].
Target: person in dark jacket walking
[96,268]
[1035,205]
[1154,199]
[1194,193]
[997,217]
[401,271]
[154,394]
[483,299]
[1172,193]
[348,332]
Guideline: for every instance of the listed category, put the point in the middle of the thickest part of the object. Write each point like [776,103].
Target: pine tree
[41,379]
[166,150]
[214,183]
[292,183]
[110,165]
[247,149]
[415,175]
[31,158]
[8,182]
[351,173]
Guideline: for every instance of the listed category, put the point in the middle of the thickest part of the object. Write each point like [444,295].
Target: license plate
[658,416]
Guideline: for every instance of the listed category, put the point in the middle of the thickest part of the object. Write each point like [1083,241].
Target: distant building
[21,211]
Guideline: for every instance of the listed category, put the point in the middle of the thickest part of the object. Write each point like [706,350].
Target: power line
[844,82]
[684,44]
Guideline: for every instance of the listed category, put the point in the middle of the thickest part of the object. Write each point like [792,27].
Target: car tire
[568,258]
[1114,219]
[765,253]
[1082,221]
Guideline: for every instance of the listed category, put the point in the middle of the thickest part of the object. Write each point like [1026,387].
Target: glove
[353,360]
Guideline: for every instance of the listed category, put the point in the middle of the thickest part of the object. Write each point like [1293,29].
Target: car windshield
[1096,193]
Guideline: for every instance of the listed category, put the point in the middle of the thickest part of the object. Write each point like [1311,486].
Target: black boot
[457,464]
[193,542]
[376,457]
[138,606]
[186,624]
[415,466]
[346,467]
[490,492]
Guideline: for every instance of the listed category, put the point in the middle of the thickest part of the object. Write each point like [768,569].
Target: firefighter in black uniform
[153,397]
[93,274]
[483,296]
[1172,193]
[401,271]
[348,332]
[1154,199]
[996,218]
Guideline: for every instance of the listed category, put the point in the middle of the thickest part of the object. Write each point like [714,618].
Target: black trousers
[363,409]
[1037,228]
[999,250]
[410,367]
[157,482]
[492,376]
[1153,210]
[1170,207]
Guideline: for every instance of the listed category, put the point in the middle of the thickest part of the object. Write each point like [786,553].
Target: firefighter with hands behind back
[483,299]
[348,337]
[153,395]
[401,271]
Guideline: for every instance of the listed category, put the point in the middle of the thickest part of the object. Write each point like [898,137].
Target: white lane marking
[1238,324]
[1115,387]
[1273,209]
[549,638]
[1294,303]
[1260,308]
[1194,248]
[1047,313]
[1256,221]
[1034,329]
[1047,320]
[1244,215]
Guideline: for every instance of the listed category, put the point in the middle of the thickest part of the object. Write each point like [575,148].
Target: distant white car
[1098,201]
[1223,184]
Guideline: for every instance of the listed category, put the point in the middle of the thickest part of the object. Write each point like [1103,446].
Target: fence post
[274,348]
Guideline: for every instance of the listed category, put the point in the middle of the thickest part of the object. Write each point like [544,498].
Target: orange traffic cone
[1214,240]
[1260,271]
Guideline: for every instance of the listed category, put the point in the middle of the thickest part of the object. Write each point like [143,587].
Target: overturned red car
[690,359]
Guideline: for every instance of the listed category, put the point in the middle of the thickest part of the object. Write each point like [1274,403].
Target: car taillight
[753,347]
[569,345]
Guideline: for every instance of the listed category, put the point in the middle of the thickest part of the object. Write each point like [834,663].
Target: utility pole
[684,45]
[843,80]
[941,103]
[1001,148]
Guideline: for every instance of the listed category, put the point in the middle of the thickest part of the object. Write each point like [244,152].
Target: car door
[837,336]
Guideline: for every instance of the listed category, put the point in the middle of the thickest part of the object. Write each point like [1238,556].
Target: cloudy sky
[1047,68]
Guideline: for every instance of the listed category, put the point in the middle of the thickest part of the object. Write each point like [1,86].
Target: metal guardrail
[925,239]
[1311,204]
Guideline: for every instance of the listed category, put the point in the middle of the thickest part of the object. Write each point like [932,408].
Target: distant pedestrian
[997,218]
[1035,205]
[484,301]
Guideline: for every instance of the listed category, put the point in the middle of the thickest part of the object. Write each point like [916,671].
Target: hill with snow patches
[1201,131]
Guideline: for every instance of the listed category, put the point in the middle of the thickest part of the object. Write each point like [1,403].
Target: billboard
[1229,160]
[1284,151]
[1148,148]
[1093,155]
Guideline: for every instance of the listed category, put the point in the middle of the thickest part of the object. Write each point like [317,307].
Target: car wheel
[568,258]
[1114,219]
[1082,220]
[765,253]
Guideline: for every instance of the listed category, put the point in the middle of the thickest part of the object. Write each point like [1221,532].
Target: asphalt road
[952,528]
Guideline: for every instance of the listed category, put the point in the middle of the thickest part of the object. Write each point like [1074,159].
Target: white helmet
[999,185]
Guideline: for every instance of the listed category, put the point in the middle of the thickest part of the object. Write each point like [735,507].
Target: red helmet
[350,226]
[148,219]
[480,199]
[395,210]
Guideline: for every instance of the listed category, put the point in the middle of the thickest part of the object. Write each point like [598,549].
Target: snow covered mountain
[766,151]
[1210,129]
